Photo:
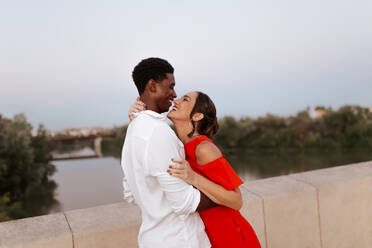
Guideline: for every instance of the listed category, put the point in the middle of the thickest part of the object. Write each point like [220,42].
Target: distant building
[85,131]
[320,110]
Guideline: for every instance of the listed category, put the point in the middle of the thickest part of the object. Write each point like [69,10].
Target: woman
[194,116]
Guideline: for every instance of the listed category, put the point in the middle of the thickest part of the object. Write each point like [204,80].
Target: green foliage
[113,146]
[25,169]
[4,208]
[346,128]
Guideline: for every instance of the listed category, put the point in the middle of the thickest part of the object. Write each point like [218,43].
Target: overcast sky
[68,63]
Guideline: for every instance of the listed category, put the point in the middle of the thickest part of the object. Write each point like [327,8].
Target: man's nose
[174,94]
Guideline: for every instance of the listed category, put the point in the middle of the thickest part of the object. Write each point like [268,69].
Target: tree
[25,168]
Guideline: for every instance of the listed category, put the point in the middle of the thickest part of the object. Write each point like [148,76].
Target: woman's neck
[183,129]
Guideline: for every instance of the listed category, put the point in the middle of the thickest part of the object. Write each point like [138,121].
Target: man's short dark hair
[150,68]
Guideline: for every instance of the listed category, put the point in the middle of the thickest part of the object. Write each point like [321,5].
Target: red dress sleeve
[221,172]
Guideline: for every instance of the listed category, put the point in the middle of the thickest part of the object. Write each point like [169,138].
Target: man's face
[165,93]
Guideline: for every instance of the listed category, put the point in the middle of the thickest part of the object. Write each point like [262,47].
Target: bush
[25,169]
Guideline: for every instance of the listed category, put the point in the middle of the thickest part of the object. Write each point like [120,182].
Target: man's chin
[166,109]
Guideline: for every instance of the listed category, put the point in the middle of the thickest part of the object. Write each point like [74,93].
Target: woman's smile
[175,107]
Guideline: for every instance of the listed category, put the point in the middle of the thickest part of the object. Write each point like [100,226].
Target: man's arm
[205,203]
[182,197]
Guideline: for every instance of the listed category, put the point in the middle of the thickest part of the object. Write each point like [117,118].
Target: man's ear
[197,116]
[152,85]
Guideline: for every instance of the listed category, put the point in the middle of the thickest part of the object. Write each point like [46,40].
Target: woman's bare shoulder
[207,152]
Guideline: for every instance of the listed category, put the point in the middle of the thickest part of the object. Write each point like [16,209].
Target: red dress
[224,226]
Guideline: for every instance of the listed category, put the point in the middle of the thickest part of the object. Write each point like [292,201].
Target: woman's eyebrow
[186,96]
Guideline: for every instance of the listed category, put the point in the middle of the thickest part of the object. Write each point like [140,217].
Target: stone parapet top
[326,208]
[36,232]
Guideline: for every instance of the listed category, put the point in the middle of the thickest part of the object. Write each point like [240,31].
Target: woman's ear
[197,116]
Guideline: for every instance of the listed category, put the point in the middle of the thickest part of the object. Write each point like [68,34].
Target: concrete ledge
[48,231]
[325,208]
[252,210]
[345,204]
[290,212]
[114,225]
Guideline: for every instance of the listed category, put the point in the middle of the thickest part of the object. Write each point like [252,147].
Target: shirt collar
[152,114]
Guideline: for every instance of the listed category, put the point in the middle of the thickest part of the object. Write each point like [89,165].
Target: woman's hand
[217,193]
[182,170]
[136,107]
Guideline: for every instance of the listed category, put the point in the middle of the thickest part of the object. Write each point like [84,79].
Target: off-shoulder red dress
[224,226]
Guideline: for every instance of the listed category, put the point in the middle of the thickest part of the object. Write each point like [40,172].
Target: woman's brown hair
[207,126]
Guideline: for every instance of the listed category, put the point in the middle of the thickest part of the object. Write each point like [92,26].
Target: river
[90,182]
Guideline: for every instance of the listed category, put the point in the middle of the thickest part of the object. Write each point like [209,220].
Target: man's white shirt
[167,203]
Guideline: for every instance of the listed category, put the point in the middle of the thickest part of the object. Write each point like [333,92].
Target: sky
[68,63]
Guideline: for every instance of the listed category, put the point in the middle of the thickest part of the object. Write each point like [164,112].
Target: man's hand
[136,107]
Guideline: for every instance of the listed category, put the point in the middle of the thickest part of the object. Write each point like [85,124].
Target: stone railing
[328,208]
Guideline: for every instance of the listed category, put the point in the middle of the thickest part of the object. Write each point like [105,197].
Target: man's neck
[150,104]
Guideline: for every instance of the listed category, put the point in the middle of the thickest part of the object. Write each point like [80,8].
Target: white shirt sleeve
[127,193]
[162,147]
[128,196]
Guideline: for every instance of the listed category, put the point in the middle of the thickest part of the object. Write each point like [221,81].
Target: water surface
[88,182]
[91,182]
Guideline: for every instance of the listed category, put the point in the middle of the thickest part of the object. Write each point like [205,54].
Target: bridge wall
[328,208]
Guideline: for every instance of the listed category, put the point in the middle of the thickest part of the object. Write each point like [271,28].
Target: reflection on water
[88,182]
[269,164]
[84,152]
[41,198]
[92,182]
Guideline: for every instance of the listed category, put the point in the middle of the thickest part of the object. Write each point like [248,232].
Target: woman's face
[182,107]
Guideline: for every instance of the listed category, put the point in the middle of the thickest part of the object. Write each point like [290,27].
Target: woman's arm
[136,107]
[216,192]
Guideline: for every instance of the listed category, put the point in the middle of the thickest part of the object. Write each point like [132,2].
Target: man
[168,205]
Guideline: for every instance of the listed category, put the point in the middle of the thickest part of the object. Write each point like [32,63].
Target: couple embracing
[188,193]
